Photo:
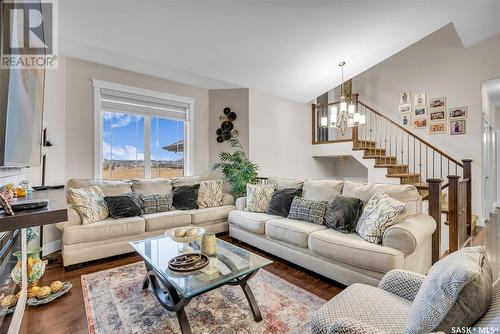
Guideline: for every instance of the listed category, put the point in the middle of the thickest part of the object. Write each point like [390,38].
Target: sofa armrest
[351,326]
[241,203]
[227,199]
[73,219]
[402,283]
[409,233]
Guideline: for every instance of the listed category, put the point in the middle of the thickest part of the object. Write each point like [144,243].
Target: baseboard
[52,247]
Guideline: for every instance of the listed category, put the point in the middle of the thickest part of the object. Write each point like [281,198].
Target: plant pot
[35,268]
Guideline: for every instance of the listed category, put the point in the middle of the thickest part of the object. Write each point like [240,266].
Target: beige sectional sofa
[109,237]
[345,258]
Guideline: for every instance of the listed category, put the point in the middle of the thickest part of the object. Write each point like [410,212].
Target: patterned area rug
[116,303]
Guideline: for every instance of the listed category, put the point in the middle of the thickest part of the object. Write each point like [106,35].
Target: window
[139,133]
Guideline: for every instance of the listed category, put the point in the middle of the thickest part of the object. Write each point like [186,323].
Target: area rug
[116,303]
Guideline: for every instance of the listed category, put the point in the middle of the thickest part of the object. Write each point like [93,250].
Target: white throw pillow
[210,193]
[259,197]
[90,204]
[321,190]
[378,214]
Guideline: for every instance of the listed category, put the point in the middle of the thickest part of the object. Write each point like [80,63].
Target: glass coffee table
[231,266]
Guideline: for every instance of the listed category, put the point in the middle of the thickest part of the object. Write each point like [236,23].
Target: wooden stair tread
[403,175]
[377,156]
[390,165]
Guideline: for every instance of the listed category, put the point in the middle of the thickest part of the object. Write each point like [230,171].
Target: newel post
[435,212]
[467,169]
[453,212]
[313,122]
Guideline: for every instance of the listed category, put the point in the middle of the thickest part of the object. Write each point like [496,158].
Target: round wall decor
[226,130]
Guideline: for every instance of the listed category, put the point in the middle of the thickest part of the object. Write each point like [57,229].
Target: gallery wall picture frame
[419,100]
[457,127]
[419,112]
[437,116]
[419,124]
[405,119]
[437,128]
[438,103]
[404,97]
[404,108]
[457,113]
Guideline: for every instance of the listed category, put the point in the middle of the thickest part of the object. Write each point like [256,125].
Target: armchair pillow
[308,210]
[342,214]
[378,214]
[210,193]
[456,293]
[185,197]
[125,205]
[90,204]
[156,202]
[282,200]
[259,197]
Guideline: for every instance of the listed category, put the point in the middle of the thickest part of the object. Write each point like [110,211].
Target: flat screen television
[21,109]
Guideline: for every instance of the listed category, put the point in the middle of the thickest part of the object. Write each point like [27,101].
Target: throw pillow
[342,214]
[185,197]
[378,214]
[282,200]
[456,293]
[89,203]
[123,206]
[156,202]
[322,190]
[259,197]
[308,210]
[210,193]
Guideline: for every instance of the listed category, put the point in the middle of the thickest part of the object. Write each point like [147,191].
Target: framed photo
[457,113]
[404,108]
[438,103]
[404,119]
[420,123]
[435,116]
[437,128]
[419,100]
[420,112]
[457,127]
[404,97]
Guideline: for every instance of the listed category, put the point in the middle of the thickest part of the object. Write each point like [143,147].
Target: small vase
[209,244]
[35,269]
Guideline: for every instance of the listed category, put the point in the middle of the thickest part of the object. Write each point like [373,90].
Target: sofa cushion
[152,186]
[251,221]
[156,202]
[185,197]
[308,210]
[342,214]
[123,206]
[352,249]
[259,196]
[106,229]
[294,232]
[90,204]
[456,293]
[282,200]
[108,187]
[190,180]
[283,182]
[210,193]
[321,190]
[207,215]
[405,193]
[374,307]
[166,220]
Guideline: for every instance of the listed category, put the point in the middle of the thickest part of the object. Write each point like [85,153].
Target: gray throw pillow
[308,210]
[156,203]
[342,214]
[456,293]
[282,200]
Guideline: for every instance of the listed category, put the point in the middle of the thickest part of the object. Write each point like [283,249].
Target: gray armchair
[363,309]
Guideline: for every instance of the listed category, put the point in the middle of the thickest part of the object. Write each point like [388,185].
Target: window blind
[116,101]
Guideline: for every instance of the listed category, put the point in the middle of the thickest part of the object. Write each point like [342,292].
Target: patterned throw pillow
[259,197]
[308,210]
[210,193]
[89,203]
[156,203]
[378,215]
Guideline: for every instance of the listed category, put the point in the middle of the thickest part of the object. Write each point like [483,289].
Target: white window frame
[98,125]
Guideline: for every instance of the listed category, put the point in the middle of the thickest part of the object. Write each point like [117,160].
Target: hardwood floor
[67,314]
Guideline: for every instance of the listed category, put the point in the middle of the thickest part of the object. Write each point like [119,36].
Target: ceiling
[286,48]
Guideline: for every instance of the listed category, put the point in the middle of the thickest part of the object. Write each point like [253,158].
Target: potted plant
[237,169]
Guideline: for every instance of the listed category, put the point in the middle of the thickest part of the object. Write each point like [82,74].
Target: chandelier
[344,116]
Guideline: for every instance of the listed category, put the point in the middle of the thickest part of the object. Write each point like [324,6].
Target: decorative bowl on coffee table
[198,233]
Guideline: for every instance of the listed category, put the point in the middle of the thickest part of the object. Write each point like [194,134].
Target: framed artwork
[404,108]
[420,112]
[437,128]
[457,127]
[404,97]
[419,100]
[404,119]
[420,123]
[437,104]
[457,113]
[435,116]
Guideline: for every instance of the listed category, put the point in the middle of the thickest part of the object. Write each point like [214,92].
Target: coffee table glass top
[231,262]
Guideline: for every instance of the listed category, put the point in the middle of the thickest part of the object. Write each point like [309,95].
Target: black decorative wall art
[226,130]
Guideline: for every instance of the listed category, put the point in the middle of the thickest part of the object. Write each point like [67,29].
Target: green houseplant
[237,169]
